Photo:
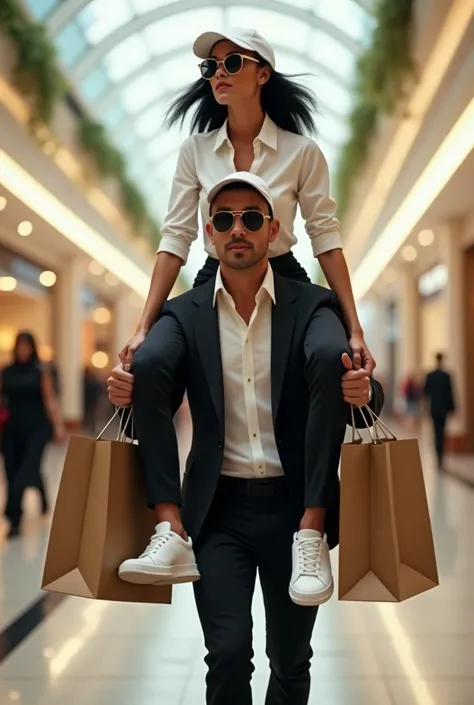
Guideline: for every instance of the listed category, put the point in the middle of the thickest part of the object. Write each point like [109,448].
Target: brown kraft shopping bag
[100,519]
[386,550]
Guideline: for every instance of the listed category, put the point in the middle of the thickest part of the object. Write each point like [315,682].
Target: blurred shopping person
[413,393]
[34,416]
[439,395]
[261,490]
[250,117]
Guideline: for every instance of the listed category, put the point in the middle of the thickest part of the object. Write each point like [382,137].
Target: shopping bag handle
[379,425]
[122,426]
[356,430]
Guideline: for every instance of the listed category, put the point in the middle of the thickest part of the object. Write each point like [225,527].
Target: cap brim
[202,47]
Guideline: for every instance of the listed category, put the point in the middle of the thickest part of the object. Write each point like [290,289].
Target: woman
[33,413]
[249,117]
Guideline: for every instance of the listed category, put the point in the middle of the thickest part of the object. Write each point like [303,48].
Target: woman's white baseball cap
[248,39]
[242,177]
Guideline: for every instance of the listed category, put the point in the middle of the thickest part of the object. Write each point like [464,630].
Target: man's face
[240,247]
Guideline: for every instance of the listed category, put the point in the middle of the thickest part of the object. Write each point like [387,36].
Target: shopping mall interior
[86,167]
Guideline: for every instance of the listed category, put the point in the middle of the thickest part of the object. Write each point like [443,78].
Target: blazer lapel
[206,333]
[283,322]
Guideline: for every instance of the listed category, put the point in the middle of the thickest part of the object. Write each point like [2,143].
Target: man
[440,398]
[266,405]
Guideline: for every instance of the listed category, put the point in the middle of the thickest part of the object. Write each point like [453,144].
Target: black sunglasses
[253,221]
[233,64]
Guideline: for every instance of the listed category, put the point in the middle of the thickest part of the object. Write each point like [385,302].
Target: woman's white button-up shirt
[293,167]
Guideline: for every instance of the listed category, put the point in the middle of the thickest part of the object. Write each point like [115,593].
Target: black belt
[254,489]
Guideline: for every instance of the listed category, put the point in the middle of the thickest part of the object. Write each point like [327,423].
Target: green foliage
[94,139]
[37,75]
[380,80]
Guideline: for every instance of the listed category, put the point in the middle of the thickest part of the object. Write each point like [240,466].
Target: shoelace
[310,552]
[156,542]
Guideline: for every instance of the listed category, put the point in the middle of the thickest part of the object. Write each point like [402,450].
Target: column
[408,339]
[68,334]
[452,256]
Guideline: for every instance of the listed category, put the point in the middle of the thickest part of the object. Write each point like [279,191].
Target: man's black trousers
[250,529]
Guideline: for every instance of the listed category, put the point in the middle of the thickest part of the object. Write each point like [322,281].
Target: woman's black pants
[23,451]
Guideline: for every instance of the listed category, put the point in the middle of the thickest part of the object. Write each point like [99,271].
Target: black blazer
[439,393]
[203,380]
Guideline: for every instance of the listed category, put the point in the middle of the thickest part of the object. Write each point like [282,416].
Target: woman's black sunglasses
[232,64]
[253,221]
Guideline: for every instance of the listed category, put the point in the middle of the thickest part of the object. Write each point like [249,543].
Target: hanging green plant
[134,204]
[380,84]
[37,75]
[94,139]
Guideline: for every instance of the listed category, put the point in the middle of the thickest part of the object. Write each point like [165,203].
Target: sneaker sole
[304,600]
[165,576]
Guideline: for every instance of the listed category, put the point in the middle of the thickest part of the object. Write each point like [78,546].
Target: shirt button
[255,435]
[219,445]
[249,379]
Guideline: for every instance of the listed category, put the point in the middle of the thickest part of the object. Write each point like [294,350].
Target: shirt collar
[268,285]
[267,135]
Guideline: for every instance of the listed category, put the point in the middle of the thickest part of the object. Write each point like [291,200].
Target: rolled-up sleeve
[180,227]
[317,207]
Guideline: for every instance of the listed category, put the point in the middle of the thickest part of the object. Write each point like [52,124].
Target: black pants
[158,367]
[287,265]
[250,527]
[439,431]
[23,451]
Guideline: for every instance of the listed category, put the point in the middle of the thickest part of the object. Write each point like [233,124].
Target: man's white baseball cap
[245,38]
[243,177]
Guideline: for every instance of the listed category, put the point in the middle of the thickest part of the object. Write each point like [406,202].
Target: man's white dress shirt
[293,167]
[250,449]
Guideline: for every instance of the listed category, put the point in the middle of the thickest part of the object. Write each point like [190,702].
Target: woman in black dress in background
[34,417]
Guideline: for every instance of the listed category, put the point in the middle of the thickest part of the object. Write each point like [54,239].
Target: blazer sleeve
[376,405]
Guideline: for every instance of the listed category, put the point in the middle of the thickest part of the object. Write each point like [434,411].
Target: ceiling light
[3,202]
[426,238]
[102,315]
[100,359]
[47,278]
[409,253]
[111,279]
[7,283]
[25,228]
[96,268]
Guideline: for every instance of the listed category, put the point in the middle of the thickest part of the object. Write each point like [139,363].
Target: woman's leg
[288,266]
[209,270]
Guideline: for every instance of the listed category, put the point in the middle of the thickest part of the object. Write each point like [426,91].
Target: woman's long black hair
[290,105]
[27,337]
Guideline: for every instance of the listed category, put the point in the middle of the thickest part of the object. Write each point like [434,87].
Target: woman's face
[232,89]
[24,351]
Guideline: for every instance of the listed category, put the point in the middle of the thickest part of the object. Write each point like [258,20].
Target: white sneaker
[167,560]
[311,581]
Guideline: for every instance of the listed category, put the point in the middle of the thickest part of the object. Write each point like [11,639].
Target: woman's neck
[245,123]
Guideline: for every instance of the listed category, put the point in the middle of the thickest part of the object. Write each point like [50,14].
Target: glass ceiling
[127,59]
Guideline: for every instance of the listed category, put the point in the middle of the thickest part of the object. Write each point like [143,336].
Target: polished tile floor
[418,653]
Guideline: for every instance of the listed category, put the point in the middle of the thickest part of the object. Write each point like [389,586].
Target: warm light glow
[8,283]
[96,268]
[25,228]
[111,279]
[49,147]
[426,238]
[100,359]
[47,278]
[452,152]
[36,197]
[46,353]
[409,253]
[14,695]
[3,203]
[7,339]
[102,315]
